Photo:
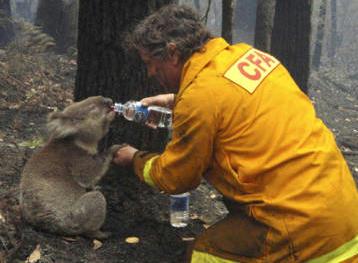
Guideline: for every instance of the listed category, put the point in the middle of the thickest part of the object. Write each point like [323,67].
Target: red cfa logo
[251,69]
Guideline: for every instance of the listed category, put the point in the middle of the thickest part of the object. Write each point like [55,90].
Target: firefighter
[241,122]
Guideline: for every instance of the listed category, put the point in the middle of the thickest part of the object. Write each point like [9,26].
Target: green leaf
[33,143]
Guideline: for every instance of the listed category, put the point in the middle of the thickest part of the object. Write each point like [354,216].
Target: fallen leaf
[2,256]
[14,107]
[350,98]
[97,244]
[35,255]
[132,240]
[70,239]
[206,226]
[52,108]
[187,238]
[32,144]
[2,218]
[194,216]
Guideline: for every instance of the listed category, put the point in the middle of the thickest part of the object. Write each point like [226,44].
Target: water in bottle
[154,116]
[159,117]
[179,210]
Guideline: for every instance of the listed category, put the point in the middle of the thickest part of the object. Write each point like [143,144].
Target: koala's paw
[114,148]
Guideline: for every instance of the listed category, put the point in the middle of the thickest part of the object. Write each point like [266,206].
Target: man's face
[166,71]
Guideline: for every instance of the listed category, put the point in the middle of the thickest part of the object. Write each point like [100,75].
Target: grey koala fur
[57,184]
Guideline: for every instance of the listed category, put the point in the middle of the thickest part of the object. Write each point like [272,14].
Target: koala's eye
[107,102]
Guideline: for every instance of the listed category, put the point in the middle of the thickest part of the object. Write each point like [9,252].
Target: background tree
[283,28]
[319,41]
[244,21]
[265,13]
[23,9]
[227,20]
[334,34]
[58,18]
[6,27]
[291,38]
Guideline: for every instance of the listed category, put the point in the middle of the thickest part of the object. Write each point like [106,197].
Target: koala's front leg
[89,172]
[107,158]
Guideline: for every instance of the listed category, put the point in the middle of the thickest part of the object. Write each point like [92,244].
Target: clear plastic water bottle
[179,209]
[153,115]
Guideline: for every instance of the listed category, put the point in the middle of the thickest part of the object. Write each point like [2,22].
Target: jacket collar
[199,60]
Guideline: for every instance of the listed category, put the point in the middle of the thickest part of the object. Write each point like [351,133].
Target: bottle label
[141,113]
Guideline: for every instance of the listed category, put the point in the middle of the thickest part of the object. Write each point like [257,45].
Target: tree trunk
[105,68]
[334,35]
[317,50]
[227,16]
[265,14]
[291,38]
[58,18]
[23,10]
[197,4]
[6,27]
[244,21]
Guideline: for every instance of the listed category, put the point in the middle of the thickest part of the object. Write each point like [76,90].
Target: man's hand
[124,155]
[163,100]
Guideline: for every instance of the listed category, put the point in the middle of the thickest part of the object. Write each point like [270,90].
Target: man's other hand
[124,155]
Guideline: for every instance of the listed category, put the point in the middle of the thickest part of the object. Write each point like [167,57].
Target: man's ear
[173,53]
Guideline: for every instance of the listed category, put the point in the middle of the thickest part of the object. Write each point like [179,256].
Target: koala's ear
[59,126]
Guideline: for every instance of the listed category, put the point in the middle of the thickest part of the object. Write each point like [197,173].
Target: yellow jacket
[241,122]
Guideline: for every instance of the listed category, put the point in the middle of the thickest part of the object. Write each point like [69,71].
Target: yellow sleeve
[142,162]
[180,167]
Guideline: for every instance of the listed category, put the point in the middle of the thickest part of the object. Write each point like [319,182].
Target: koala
[57,187]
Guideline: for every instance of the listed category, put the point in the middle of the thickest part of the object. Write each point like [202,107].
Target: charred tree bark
[291,38]
[105,68]
[265,14]
[227,16]
[6,27]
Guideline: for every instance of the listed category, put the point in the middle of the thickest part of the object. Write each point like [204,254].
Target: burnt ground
[35,86]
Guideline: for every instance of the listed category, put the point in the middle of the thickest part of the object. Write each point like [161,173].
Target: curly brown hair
[172,23]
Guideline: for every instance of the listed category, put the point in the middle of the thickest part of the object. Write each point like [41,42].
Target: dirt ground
[133,208]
